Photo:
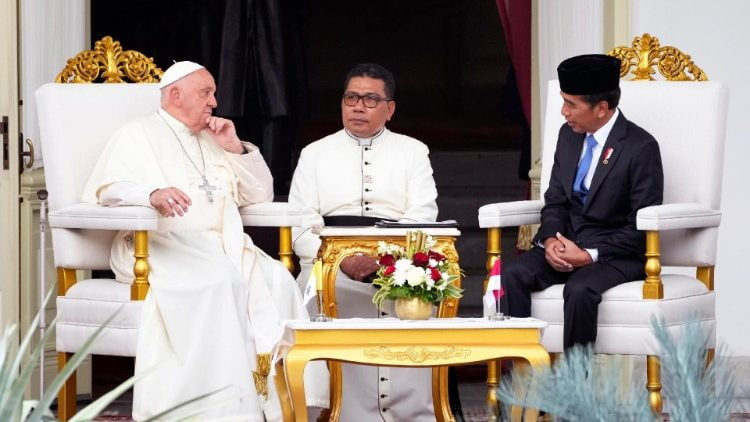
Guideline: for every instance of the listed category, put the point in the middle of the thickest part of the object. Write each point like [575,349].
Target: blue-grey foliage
[579,387]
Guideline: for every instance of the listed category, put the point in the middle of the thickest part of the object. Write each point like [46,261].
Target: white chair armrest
[271,214]
[93,216]
[677,216]
[510,214]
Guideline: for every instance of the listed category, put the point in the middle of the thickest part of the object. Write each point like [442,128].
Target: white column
[51,32]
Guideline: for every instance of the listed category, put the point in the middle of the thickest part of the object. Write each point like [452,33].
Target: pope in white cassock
[356,176]
[215,301]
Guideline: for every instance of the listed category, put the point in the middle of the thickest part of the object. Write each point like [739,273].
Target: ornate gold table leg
[330,269]
[440,400]
[287,411]
[295,368]
[334,369]
[537,358]
[493,380]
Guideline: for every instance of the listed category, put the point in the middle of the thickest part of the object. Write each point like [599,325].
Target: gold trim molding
[111,63]
[417,354]
[646,53]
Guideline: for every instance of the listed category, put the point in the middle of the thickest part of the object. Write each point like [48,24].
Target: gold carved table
[338,243]
[389,341]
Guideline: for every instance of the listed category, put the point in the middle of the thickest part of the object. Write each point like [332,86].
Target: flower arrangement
[414,271]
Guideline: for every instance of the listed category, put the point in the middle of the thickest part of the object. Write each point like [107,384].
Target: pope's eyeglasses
[370,101]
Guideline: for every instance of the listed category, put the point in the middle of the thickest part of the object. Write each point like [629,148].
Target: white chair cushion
[677,216]
[510,214]
[625,317]
[93,216]
[271,214]
[86,306]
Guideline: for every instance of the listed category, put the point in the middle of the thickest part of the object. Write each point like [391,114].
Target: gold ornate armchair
[688,119]
[76,118]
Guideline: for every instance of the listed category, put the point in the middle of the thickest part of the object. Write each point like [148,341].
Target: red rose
[436,274]
[420,259]
[436,256]
[389,270]
[387,260]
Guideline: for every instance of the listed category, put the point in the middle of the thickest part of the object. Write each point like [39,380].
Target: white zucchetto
[178,71]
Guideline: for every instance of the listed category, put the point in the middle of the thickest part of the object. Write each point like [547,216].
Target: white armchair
[688,120]
[76,120]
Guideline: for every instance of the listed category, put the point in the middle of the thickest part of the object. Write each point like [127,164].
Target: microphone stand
[42,195]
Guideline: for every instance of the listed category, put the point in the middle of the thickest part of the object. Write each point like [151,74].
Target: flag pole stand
[321,317]
[317,273]
[42,194]
[498,316]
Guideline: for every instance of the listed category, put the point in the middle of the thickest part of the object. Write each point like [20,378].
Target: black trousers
[582,292]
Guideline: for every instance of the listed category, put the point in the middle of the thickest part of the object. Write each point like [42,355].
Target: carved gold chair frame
[642,59]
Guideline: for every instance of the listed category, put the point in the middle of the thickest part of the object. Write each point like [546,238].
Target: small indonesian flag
[314,282]
[494,291]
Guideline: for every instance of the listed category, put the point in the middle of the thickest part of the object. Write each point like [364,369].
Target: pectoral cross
[208,188]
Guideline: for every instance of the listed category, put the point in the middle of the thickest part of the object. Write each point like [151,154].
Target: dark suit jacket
[632,179]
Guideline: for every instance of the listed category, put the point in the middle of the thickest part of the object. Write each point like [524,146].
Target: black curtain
[252,47]
[262,79]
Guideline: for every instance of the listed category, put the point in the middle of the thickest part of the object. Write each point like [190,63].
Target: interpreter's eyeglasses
[370,101]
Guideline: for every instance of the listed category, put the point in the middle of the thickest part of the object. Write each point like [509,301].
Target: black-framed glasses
[369,100]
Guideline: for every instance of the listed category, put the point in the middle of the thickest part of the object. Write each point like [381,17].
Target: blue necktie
[583,169]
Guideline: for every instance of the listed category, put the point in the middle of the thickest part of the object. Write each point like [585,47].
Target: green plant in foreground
[15,376]
[582,388]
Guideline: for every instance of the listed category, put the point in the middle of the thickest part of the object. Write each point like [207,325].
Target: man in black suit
[606,168]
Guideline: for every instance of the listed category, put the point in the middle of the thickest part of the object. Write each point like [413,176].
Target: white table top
[397,324]
[381,231]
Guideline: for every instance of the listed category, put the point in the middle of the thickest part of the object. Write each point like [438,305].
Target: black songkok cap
[589,74]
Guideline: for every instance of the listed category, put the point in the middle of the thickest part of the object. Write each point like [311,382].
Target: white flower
[383,248]
[441,286]
[429,282]
[415,276]
[432,263]
[404,264]
[429,242]
[444,276]
[399,277]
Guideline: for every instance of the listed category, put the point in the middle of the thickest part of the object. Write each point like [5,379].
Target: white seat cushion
[85,307]
[624,319]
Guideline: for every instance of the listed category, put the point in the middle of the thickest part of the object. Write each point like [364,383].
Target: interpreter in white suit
[215,301]
[356,176]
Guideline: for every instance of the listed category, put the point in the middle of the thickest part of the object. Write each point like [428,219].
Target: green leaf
[57,383]
[11,385]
